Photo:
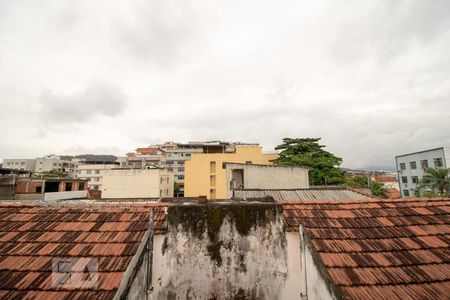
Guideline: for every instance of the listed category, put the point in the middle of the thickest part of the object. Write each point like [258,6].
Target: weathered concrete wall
[221,251]
[268,177]
[312,283]
[138,288]
[66,195]
[291,288]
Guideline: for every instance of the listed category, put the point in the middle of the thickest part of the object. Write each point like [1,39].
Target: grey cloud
[98,99]
[385,30]
[157,30]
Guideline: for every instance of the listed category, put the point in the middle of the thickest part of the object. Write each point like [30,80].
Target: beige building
[251,176]
[137,183]
[94,173]
[204,175]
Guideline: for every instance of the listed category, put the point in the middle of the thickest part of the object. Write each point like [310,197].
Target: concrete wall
[269,177]
[221,251]
[137,183]
[198,171]
[312,283]
[93,173]
[66,195]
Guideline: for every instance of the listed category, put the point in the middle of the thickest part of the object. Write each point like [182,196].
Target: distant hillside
[92,157]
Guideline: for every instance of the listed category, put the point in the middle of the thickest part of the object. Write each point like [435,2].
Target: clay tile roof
[382,249]
[34,236]
[385,179]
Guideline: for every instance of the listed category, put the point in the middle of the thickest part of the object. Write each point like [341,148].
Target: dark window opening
[51,186]
[81,186]
[39,189]
[68,186]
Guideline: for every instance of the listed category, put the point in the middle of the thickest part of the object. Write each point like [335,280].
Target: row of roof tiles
[370,249]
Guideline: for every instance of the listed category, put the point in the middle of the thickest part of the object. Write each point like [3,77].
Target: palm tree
[436,180]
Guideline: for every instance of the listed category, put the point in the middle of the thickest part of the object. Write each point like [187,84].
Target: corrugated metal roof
[314,193]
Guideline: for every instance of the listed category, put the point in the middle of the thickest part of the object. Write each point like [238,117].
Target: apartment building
[176,156]
[54,162]
[137,183]
[144,158]
[204,175]
[42,164]
[93,172]
[20,164]
[410,167]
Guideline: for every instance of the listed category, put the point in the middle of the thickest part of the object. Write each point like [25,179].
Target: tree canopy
[323,166]
[362,181]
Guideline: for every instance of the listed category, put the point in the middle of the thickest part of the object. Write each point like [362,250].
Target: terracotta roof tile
[33,235]
[379,249]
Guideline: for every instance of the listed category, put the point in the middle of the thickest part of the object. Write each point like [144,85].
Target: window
[404,179]
[39,189]
[248,162]
[413,165]
[68,186]
[180,177]
[212,167]
[212,180]
[406,193]
[424,164]
[437,162]
[188,155]
[88,171]
[97,171]
[181,162]
[181,169]
[402,166]
[415,179]
[81,186]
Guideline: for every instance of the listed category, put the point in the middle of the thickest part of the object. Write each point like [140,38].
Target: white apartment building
[176,156]
[20,164]
[410,167]
[137,183]
[54,162]
[93,172]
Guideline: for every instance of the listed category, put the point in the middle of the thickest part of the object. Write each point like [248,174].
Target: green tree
[176,189]
[362,181]
[323,165]
[435,182]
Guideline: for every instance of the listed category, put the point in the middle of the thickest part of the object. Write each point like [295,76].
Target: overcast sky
[372,78]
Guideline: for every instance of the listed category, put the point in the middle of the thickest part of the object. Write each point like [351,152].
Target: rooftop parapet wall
[223,251]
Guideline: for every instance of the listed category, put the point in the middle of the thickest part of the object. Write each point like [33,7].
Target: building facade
[144,158]
[251,176]
[20,164]
[176,156]
[54,162]
[411,167]
[204,175]
[93,172]
[137,183]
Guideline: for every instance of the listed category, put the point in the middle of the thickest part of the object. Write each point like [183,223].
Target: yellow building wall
[203,179]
